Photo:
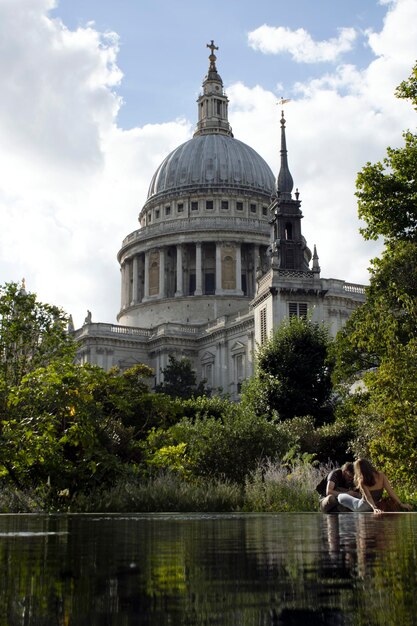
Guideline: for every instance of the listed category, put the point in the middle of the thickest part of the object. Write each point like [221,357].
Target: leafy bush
[330,442]
[228,449]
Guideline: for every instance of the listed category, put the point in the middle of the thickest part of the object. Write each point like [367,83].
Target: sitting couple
[357,487]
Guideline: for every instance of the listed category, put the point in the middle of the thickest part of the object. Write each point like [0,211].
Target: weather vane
[283,101]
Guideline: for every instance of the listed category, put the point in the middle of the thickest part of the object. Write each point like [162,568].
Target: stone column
[250,351]
[218,372]
[198,271]
[135,280]
[146,277]
[239,269]
[126,280]
[219,289]
[180,289]
[162,283]
[256,266]
[123,285]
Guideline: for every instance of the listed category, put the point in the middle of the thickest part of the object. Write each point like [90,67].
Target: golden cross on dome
[212,46]
[212,57]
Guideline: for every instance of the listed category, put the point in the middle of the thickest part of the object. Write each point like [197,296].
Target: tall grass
[275,487]
[167,492]
[13,500]
[271,487]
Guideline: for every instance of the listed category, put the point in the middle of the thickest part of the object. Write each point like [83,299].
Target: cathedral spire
[284,181]
[316,266]
[213,102]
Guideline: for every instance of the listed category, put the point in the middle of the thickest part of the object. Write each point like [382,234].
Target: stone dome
[211,161]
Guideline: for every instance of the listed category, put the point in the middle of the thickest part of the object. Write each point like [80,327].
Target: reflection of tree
[247,569]
[367,547]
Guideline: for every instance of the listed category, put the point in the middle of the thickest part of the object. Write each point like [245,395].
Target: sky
[95,94]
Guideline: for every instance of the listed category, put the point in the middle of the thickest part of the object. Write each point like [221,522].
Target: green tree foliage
[391,412]
[56,431]
[78,426]
[180,380]
[388,317]
[387,190]
[203,407]
[379,338]
[293,373]
[126,396]
[32,335]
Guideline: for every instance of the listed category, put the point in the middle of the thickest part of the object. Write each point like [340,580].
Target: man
[338,481]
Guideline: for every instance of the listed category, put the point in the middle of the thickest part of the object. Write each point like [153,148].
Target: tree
[387,319]
[180,380]
[387,191]
[56,431]
[293,373]
[126,397]
[378,342]
[32,335]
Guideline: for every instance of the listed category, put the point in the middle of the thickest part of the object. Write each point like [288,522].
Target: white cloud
[335,124]
[299,43]
[72,182]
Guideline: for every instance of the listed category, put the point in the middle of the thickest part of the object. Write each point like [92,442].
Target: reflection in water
[237,570]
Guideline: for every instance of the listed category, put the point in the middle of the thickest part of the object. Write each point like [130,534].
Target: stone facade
[218,262]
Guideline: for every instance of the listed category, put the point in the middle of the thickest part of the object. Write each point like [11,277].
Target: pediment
[238,346]
[208,357]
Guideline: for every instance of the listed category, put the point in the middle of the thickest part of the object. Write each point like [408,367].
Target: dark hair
[364,472]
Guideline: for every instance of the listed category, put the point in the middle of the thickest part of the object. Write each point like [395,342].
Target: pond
[202,569]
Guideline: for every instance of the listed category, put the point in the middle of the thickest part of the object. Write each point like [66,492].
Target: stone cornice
[261,297]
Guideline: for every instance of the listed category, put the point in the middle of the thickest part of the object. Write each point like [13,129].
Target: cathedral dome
[210,161]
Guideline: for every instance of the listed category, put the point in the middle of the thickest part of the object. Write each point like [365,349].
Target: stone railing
[296,273]
[195,224]
[174,329]
[354,288]
[107,330]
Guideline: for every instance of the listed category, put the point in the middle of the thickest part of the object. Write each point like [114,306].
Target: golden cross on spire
[212,57]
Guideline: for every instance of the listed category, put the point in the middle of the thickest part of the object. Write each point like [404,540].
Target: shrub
[227,449]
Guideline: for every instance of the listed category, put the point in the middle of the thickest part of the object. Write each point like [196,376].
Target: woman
[371,485]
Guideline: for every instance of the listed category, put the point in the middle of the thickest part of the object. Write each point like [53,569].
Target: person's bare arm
[368,497]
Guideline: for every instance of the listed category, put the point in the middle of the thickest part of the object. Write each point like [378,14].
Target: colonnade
[190,269]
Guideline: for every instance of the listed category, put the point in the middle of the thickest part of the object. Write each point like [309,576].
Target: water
[223,569]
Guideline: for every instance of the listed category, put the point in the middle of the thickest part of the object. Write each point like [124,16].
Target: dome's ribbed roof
[209,161]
